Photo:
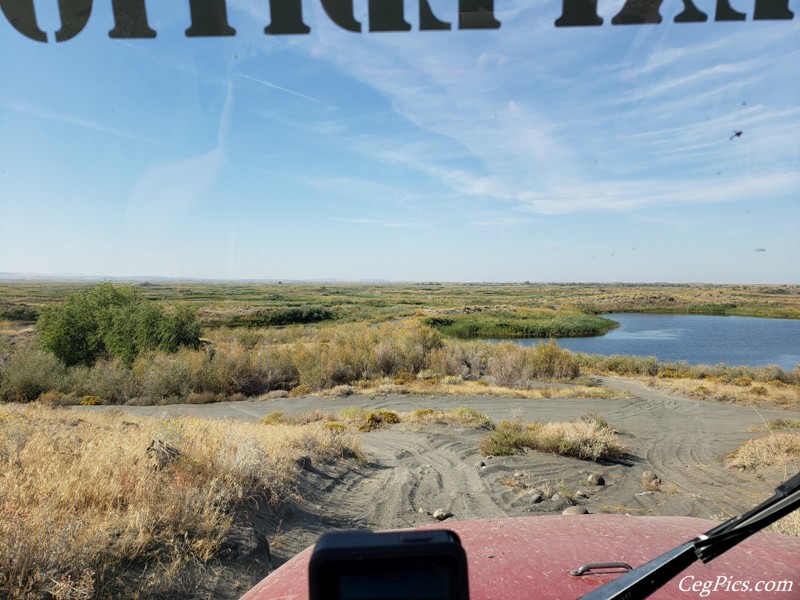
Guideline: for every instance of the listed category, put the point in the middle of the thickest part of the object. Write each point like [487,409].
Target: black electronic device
[407,565]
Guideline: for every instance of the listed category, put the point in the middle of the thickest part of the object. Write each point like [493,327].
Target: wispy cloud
[367,221]
[565,146]
[94,125]
[279,88]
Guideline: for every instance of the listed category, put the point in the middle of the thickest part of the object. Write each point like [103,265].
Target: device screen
[429,578]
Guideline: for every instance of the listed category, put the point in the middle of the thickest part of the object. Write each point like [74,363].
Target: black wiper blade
[643,581]
[731,532]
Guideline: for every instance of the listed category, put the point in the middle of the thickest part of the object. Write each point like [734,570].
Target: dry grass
[365,419]
[790,524]
[405,357]
[82,505]
[434,387]
[777,449]
[585,439]
[463,416]
[745,392]
[790,424]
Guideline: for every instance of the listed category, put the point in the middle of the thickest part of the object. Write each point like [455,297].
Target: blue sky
[525,153]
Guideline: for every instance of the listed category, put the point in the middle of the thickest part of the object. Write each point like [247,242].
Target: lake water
[696,339]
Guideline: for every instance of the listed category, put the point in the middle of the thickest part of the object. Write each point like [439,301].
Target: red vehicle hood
[530,557]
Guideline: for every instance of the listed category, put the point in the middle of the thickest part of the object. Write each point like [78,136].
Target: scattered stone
[440,514]
[596,479]
[644,494]
[650,482]
[489,457]
[556,497]
[480,464]
[536,498]
[518,475]
[649,476]
[575,510]
[581,494]
[422,511]
[535,491]
[561,504]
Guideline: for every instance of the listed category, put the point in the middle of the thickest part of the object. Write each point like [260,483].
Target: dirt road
[413,471]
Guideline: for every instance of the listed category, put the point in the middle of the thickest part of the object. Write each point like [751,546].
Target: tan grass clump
[790,524]
[462,415]
[434,387]
[782,395]
[776,449]
[588,440]
[80,497]
[584,439]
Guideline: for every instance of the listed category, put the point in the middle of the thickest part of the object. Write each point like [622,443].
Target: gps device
[403,565]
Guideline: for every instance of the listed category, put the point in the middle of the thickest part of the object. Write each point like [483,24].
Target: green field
[235,304]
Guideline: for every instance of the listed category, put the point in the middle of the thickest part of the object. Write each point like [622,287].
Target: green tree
[116,321]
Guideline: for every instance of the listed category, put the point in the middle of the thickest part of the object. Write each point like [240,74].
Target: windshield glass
[298,266]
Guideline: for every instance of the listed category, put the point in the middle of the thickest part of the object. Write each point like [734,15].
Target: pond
[696,339]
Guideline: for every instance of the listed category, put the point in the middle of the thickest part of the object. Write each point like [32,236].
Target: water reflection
[696,339]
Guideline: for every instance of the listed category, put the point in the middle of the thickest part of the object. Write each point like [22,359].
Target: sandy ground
[412,471]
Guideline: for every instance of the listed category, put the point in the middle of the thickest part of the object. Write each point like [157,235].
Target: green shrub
[300,390]
[552,362]
[587,439]
[28,372]
[249,338]
[467,415]
[522,323]
[377,419]
[278,317]
[273,418]
[508,438]
[162,376]
[18,312]
[108,379]
[113,321]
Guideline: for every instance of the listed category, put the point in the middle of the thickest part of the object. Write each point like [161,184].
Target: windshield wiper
[643,581]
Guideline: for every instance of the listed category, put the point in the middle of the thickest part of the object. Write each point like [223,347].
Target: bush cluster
[650,365]
[523,323]
[114,321]
[587,438]
[327,358]
[275,317]
[18,312]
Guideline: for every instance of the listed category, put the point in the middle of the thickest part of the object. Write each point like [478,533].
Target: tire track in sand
[685,442]
[412,470]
